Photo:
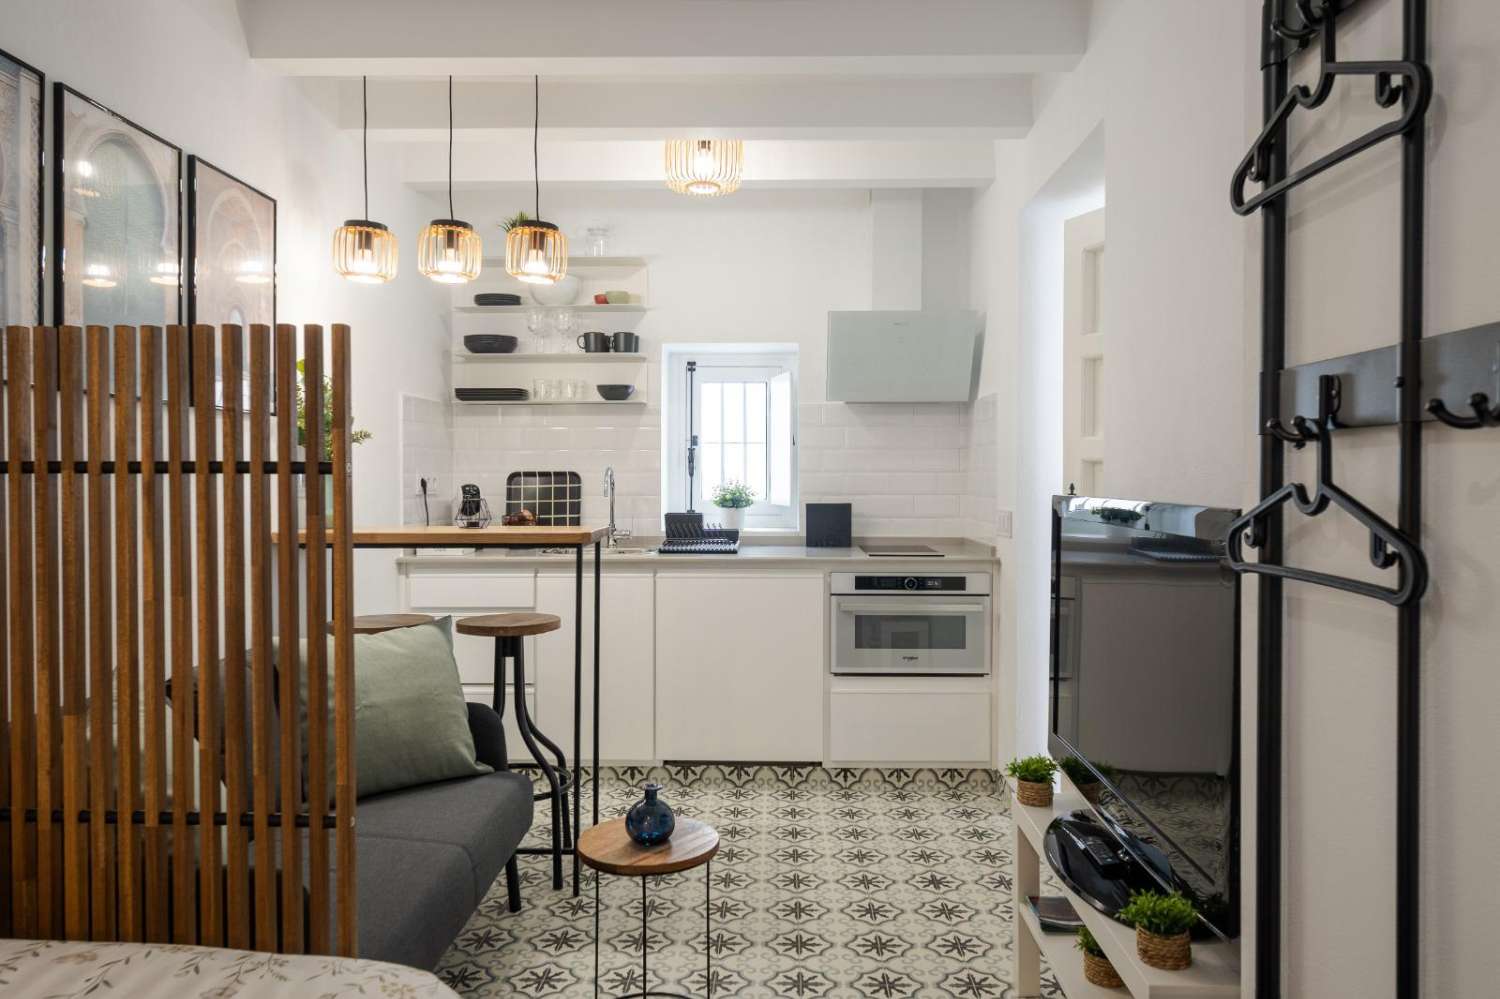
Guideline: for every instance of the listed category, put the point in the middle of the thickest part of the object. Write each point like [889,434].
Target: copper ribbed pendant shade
[705,167]
[536,252]
[363,251]
[450,252]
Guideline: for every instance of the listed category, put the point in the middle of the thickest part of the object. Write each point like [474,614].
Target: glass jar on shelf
[598,241]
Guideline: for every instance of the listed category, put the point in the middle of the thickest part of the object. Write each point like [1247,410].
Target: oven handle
[909,607]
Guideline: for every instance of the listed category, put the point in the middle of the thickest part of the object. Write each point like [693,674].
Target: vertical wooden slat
[49,759]
[206,550]
[184,889]
[261,666]
[23,900]
[153,640]
[237,855]
[317,666]
[293,938]
[74,664]
[127,633]
[100,643]
[343,643]
[10,890]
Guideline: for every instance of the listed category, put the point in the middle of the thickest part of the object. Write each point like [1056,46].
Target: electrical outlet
[1002,523]
[433,485]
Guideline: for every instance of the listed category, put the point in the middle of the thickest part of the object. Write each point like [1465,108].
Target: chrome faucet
[614,533]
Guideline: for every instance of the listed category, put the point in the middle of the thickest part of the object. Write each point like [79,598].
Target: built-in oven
[910,625]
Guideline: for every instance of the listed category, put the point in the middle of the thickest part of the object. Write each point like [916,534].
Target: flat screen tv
[1144,682]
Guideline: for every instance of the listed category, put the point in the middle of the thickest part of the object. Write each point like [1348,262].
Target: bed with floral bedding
[56,969]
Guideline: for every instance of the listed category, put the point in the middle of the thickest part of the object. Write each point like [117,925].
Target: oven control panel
[911,584]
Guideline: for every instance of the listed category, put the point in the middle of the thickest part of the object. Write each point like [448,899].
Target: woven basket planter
[1091,792]
[1166,953]
[1034,794]
[1098,971]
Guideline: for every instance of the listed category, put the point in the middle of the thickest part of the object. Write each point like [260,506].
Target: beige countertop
[751,554]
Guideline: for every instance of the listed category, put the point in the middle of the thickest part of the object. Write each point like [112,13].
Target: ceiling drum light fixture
[363,251]
[450,251]
[536,252]
[705,167]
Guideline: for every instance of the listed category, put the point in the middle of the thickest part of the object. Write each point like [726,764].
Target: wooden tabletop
[608,847]
[447,536]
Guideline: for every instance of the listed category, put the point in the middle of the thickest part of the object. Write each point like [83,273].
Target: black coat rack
[1381,387]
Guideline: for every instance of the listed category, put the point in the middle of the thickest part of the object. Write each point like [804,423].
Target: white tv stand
[1214,974]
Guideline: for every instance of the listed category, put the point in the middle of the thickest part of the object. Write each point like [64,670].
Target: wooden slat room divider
[146,472]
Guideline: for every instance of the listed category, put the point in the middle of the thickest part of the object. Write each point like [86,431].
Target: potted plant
[1084,779]
[355,436]
[1033,777]
[732,498]
[1163,928]
[1096,967]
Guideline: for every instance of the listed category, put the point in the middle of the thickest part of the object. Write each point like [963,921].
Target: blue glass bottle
[650,821]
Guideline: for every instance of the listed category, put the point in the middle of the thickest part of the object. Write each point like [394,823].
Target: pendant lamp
[705,167]
[536,252]
[450,251]
[365,251]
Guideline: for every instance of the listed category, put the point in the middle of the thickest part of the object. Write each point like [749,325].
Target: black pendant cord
[536,123]
[365,100]
[450,148]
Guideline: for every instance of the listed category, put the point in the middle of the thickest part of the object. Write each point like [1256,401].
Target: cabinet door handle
[916,609]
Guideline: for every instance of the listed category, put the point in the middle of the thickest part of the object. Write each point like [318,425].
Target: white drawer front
[909,727]
[476,590]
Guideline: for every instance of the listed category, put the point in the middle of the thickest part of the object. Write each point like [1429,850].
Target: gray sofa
[428,855]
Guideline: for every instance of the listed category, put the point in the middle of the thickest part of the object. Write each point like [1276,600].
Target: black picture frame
[63,161]
[40,261]
[207,252]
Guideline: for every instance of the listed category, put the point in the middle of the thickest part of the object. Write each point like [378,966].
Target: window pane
[710,470]
[780,486]
[755,471]
[734,412]
[710,428]
[755,412]
[734,462]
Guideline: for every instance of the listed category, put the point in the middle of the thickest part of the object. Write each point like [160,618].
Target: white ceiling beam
[482,166]
[648,37]
[759,108]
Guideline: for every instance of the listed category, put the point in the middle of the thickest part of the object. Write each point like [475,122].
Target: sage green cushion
[411,726]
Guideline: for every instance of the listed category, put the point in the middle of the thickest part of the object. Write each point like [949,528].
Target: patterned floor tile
[840,884]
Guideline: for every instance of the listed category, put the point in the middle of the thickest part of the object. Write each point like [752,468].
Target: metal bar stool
[509,632]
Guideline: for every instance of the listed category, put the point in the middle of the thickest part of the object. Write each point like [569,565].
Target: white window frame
[769,359]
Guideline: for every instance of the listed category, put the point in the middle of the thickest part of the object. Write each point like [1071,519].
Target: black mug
[625,343]
[594,343]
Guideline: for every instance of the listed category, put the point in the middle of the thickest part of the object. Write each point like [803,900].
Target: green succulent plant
[1032,769]
[1164,915]
[1087,943]
[733,495]
[355,436]
[519,218]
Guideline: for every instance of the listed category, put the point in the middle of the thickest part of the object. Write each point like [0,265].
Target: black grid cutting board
[555,497]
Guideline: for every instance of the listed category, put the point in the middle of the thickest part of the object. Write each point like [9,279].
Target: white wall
[180,69]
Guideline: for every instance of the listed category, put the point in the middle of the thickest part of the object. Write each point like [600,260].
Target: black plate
[490,343]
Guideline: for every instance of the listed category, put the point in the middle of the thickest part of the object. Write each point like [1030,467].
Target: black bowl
[616,393]
[490,343]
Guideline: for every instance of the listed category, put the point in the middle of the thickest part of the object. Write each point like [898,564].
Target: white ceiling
[849,93]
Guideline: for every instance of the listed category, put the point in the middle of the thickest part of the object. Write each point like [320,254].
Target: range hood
[930,355]
[919,342]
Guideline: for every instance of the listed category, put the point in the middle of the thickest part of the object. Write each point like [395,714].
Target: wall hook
[1485,415]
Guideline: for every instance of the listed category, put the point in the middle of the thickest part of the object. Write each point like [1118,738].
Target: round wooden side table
[608,849]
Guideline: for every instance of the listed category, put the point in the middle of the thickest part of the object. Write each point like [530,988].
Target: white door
[1083,354]
[739,667]
[627,659]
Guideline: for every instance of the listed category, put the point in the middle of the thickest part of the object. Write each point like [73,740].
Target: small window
[732,417]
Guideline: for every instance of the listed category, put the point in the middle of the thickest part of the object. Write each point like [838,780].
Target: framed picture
[116,216]
[23,96]
[231,234]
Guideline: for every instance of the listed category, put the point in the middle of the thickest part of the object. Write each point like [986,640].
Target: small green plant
[355,437]
[1164,915]
[733,495]
[519,218]
[1032,769]
[1087,943]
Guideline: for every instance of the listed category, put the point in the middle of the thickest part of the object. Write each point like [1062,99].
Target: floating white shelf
[582,307]
[1214,973]
[552,402]
[586,263]
[577,358]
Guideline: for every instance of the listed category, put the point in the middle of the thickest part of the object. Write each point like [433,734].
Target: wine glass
[536,322]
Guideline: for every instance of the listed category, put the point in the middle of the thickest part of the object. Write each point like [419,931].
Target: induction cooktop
[900,551]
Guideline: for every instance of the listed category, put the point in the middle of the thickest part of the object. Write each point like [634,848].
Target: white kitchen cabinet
[739,667]
[883,724]
[627,655]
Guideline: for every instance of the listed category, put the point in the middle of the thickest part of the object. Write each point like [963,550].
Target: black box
[828,525]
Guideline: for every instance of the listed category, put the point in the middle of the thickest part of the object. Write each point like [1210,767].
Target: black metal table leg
[577,701]
[597,878]
[646,991]
[598,584]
